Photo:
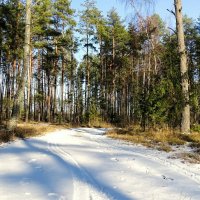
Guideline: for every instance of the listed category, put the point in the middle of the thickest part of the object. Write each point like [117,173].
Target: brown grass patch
[24,130]
[193,158]
[98,123]
[193,137]
[161,140]
[30,129]
[164,147]
[6,136]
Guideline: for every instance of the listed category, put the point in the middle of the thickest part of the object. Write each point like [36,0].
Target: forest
[96,104]
[86,68]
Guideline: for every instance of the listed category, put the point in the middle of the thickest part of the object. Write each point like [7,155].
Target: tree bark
[185,122]
[19,94]
[62,90]
[28,90]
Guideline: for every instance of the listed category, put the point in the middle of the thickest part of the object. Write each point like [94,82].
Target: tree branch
[171,11]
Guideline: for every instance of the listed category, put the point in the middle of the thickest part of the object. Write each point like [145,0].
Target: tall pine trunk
[39,85]
[19,94]
[28,90]
[185,122]
[62,91]
[87,98]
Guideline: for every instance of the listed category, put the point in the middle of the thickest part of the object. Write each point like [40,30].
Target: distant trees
[124,75]
[185,123]
[26,64]
[88,19]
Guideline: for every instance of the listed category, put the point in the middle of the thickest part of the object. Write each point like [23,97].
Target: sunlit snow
[83,164]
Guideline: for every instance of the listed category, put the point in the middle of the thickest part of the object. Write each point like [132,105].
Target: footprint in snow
[114,159]
[167,178]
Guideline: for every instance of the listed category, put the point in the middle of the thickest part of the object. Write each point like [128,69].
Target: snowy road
[83,164]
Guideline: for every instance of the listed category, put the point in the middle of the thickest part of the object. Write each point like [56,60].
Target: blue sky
[190,7]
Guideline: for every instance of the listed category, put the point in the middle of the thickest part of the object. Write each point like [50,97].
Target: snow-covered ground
[83,164]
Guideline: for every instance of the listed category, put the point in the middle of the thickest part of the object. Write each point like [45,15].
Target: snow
[83,164]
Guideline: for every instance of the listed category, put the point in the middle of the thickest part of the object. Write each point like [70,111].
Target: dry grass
[6,136]
[159,139]
[99,123]
[190,157]
[32,129]
[26,130]
[193,138]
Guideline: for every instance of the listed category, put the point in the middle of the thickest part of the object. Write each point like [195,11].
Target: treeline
[127,74]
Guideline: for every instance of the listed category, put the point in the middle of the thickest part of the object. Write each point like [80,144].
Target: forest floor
[162,140]
[85,164]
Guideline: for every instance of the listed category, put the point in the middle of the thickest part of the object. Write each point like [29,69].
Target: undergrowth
[163,139]
[27,130]
[32,129]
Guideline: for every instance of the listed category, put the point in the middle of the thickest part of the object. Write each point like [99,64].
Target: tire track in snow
[84,185]
[78,190]
[103,142]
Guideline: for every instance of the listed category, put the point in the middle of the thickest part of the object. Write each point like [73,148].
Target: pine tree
[64,23]
[21,86]
[87,29]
